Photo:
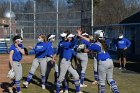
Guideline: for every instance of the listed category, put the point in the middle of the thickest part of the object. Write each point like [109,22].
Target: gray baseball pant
[105,71]
[83,58]
[65,66]
[39,61]
[49,67]
[18,70]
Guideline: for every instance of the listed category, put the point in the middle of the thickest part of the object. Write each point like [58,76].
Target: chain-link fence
[34,17]
[130,31]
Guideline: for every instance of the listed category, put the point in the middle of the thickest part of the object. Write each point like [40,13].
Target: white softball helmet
[11,74]
[99,33]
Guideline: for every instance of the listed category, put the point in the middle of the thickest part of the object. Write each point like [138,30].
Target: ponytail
[104,45]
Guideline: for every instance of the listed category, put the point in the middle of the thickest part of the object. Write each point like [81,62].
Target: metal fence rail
[130,31]
[34,17]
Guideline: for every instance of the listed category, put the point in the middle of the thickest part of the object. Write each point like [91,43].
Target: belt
[80,52]
[49,56]
[121,49]
[66,59]
[16,60]
[40,57]
[104,59]
[43,57]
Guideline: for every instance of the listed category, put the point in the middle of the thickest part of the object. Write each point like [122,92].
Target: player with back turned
[105,63]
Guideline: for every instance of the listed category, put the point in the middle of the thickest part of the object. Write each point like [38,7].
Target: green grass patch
[127,82]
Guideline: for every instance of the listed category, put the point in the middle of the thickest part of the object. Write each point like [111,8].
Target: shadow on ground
[37,81]
[133,67]
[4,87]
[133,63]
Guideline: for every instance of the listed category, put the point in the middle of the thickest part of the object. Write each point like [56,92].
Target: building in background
[5,27]
[130,27]
[132,31]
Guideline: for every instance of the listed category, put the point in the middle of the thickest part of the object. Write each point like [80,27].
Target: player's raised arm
[79,33]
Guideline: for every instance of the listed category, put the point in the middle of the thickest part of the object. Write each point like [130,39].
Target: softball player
[96,77]
[83,58]
[65,65]
[60,53]
[49,58]
[16,51]
[105,63]
[40,59]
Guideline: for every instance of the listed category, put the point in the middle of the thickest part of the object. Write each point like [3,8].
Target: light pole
[34,21]
[57,17]
[10,15]
[92,12]
[10,21]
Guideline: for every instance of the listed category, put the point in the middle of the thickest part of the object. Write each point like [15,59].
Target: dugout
[130,27]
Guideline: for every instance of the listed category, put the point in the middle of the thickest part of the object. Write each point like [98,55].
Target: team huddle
[71,47]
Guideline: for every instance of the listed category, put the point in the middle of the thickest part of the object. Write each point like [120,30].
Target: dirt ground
[128,81]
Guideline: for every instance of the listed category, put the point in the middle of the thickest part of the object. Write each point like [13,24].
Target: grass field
[127,82]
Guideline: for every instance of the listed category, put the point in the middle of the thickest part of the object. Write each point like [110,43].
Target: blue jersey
[74,43]
[17,56]
[108,42]
[40,50]
[50,50]
[101,55]
[81,41]
[123,43]
[85,42]
[60,50]
[68,52]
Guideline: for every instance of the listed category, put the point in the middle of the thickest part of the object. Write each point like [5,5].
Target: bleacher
[4,46]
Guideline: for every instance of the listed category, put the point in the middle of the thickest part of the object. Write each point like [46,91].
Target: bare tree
[113,11]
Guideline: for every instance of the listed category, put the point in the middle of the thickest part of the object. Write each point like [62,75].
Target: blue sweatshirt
[40,50]
[17,56]
[123,43]
[100,54]
[68,52]
[50,50]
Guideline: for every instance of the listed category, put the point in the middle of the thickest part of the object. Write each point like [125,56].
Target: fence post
[34,22]
[57,18]
[92,22]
